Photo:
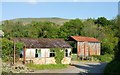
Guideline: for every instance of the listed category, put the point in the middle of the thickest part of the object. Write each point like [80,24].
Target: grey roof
[43,42]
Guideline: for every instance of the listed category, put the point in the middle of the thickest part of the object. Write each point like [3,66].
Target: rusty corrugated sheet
[88,49]
[86,39]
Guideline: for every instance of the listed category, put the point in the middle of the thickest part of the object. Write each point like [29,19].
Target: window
[66,53]
[52,53]
[70,53]
[21,54]
[37,53]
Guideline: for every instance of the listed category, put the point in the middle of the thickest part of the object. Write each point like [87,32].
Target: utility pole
[24,55]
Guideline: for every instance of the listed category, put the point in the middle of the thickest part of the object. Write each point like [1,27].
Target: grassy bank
[101,58]
[46,66]
[112,68]
[104,58]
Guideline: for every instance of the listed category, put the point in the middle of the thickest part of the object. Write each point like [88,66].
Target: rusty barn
[86,46]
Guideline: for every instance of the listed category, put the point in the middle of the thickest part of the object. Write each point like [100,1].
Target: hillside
[59,21]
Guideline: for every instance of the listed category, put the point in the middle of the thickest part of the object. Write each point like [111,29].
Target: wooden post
[84,50]
[77,44]
[24,54]
[14,54]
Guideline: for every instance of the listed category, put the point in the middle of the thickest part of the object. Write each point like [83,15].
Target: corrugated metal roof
[43,42]
[87,39]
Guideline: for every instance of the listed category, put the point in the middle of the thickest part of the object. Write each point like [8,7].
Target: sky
[69,10]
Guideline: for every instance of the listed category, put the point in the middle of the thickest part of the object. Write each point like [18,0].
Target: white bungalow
[42,50]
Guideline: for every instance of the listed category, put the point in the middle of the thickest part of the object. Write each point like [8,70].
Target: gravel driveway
[80,67]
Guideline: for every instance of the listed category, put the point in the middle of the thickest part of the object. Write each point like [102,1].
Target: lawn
[46,66]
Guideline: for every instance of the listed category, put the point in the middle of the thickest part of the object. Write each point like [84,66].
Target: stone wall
[48,60]
[66,60]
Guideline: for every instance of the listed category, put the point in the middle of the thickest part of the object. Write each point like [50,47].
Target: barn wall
[88,48]
[95,48]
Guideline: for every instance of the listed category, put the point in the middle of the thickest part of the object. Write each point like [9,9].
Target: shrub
[74,57]
[7,49]
[112,68]
[59,55]
[103,58]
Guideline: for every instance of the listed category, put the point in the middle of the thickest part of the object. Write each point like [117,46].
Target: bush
[103,58]
[59,55]
[7,49]
[74,57]
[112,68]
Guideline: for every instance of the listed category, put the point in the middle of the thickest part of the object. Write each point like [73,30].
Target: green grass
[101,58]
[104,58]
[46,66]
[74,57]
[112,68]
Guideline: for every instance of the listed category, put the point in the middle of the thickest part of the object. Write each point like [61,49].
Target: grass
[74,57]
[104,58]
[46,66]
[101,58]
[112,68]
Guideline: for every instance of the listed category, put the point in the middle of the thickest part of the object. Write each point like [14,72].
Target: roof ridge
[84,38]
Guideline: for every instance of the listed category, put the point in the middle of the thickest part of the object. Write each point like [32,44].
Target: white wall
[69,50]
[30,53]
[45,52]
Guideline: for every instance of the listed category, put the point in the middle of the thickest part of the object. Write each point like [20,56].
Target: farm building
[86,46]
[42,50]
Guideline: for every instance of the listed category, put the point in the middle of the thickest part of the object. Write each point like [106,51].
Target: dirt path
[79,68]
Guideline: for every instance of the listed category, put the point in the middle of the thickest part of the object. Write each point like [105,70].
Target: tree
[73,27]
[7,49]
[49,30]
[90,29]
[104,33]
[102,21]
[117,27]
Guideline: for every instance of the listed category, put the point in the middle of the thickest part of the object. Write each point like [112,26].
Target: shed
[86,46]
